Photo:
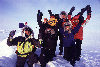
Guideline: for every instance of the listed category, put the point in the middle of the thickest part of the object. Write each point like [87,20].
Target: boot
[72,63]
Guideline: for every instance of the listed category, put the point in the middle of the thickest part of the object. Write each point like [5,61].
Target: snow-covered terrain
[13,12]
[89,58]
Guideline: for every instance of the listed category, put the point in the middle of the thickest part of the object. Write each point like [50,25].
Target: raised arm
[88,12]
[88,8]
[39,17]
[88,15]
[76,29]
[53,15]
[12,41]
[70,13]
[50,12]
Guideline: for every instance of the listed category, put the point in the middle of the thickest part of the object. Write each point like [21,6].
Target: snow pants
[32,58]
[78,48]
[61,44]
[46,55]
[69,54]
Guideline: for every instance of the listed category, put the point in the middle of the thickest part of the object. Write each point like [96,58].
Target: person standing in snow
[63,17]
[49,36]
[25,47]
[79,35]
[68,39]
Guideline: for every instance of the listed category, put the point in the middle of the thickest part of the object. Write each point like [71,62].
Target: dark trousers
[32,58]
[46,55]
[78,48]
[61,44]
[69,54]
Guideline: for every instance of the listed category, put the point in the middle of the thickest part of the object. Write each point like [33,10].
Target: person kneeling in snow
[25,47]
[68,39]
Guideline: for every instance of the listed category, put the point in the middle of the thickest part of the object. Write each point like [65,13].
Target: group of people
[68,29]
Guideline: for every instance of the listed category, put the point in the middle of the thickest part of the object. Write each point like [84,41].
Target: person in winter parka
[79,35]
[25,47]
[49,36]
[61,18]
[68,39]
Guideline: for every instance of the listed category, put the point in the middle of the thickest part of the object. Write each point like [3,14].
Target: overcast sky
[15,11]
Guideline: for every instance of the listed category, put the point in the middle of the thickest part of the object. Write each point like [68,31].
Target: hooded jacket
[68,38]
[24,47]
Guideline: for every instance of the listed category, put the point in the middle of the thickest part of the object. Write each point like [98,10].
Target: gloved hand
[39,15]
[72,9]
[88,6]
[12,33]
[49,11]
[88,10]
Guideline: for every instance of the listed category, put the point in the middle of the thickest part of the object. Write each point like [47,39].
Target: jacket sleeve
[34,45]
[12,42]
[82,11]
[70,13]
[35,42]
[76,29]
[88,8]
[88,14]
[39,17]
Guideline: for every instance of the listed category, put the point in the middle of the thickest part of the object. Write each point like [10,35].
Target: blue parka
[68,38]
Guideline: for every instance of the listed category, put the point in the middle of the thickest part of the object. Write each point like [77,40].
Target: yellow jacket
[24,47]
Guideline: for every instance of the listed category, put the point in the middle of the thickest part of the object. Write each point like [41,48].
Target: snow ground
[89,58]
